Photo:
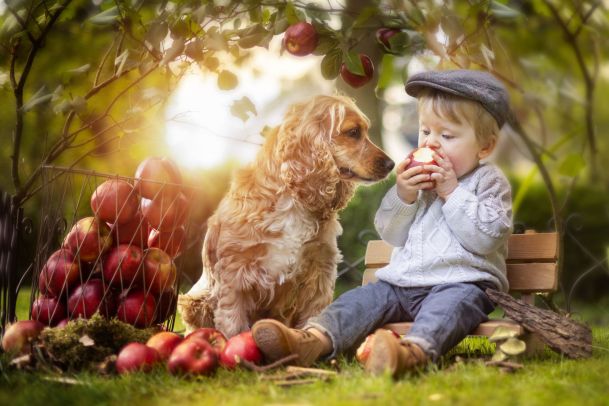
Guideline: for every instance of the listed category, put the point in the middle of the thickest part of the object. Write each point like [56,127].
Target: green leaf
[291,14]
[326,44]
[194,50]
[210,62]
[572,165]
[364,16]
[354,63]
[157,33]
[243,108]
[81,69]
[38,98]
[214,40]
[227,80]
[252,36]
[502,11]
[330,64]
[280,25]
[106,17]
[386,73]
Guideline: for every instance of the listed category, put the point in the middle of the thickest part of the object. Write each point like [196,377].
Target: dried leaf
[242,108]
[86,341]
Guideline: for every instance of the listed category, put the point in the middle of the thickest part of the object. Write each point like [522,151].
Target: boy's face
[457,140]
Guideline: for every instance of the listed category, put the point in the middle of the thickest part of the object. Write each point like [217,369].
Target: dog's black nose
[388,164]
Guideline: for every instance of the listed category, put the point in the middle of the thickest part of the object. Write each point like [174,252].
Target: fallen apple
[59,274]
[159,271]
[215,338]
[168,241]
[300,39]
[157,176]
[363,351]
[165,213]
[121,266]
[136,357]
[164,343]
[193,357]
[114,201]
[355,80]
[88,238]
[48,310]
[136,308]
[238,348]
[18,336]
[90,297]
[166,305]
[421,156]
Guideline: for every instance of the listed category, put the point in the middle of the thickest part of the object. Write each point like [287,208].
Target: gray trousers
[443,314]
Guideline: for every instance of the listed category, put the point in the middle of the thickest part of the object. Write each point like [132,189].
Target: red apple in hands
[48,311]
[18,336]
[134,231]
[90,297]
[157,176]
[136,308]
[136,357]
[214,337]
[168,241]
[164,343]
[59,274]
[300,39]
[194,357]
[421,156]
[114,201]
[165,213]
[240,347]
[355,80]
[88,238]
[122,265]
[166,305]
[159,271]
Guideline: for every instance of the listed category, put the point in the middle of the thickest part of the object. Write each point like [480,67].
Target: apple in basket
[114,201]
[18,336]
[164,342]
[48,310]
[193,357]
[90,297]
[134,231]
[165,213]
[157,176]
[122,265]
[59,274]
[214,337]
[136,357]
[136,308]
[300,39]
[88,238]
[168,241]
[159,271]
[238,348]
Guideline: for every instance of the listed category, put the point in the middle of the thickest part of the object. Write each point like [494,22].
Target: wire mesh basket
[110,244]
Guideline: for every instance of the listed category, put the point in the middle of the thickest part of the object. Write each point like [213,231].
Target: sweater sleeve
[394,218]
[481,221]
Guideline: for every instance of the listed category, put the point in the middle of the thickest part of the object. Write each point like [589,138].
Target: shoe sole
[383,356]
[271,340]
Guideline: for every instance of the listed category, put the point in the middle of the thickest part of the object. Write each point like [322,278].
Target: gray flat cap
[470,84]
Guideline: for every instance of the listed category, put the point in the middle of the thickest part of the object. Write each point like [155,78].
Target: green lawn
[548,380]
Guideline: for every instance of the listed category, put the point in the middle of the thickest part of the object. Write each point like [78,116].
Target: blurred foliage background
[87,84]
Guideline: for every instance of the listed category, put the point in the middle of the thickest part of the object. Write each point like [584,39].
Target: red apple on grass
[90,297]
[136,357]
[356,80]
[300,39]
[363,351]
[166,305]
[59,274]
[122,264]
[168,241]
[193,357]
[114,201]
[164,343]
[136,308]
[165,213]
[134,231]
[48,310]
[18,336]
[214,337]
[159,271]
[155,176]
[240,347]
[421,156]
[88,238]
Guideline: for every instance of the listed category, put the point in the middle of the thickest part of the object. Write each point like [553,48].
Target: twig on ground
[280,362]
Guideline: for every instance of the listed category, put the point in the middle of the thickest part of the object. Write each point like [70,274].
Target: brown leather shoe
[390,354]
[277,341]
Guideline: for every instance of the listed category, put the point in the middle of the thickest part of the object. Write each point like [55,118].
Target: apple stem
[253,367]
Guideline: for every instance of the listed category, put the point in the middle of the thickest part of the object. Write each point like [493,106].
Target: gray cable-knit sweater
[461,240]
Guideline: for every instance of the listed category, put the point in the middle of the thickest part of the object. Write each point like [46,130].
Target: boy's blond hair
[460,110]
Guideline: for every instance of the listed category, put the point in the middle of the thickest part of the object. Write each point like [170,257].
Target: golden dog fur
[270,250]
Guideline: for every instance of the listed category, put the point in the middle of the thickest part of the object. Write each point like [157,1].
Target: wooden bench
[531,269]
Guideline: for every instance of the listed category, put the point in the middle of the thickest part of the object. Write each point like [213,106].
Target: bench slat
[535,247]
[484,329]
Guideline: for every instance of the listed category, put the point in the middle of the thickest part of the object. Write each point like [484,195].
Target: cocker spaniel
[270,250]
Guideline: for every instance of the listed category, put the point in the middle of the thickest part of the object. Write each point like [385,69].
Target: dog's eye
[354,132]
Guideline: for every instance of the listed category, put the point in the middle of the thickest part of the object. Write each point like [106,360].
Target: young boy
[450,224]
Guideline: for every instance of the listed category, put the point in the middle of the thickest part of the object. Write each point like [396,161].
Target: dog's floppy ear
[307,166]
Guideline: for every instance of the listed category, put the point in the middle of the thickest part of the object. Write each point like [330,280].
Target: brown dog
[270,250]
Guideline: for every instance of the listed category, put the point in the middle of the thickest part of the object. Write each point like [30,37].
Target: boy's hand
[410,181]
[444,175]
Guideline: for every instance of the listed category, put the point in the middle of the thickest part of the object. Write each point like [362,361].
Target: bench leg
[535,346]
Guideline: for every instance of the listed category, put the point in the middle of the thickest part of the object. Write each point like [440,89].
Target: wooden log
[560,333]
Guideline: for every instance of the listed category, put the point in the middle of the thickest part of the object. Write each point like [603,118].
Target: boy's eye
[447,136]
[425,132]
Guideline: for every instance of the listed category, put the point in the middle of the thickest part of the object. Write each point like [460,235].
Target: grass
[545,380]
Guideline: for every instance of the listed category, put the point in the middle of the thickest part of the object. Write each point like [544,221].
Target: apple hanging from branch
[356,80]
[300,39]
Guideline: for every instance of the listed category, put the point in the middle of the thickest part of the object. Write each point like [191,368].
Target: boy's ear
[486,150]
